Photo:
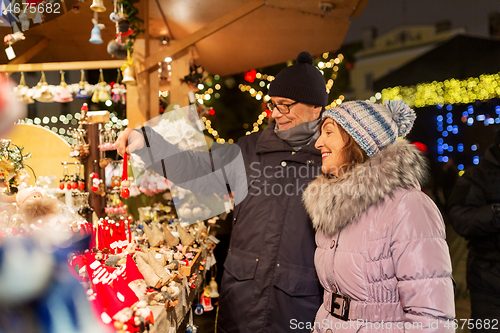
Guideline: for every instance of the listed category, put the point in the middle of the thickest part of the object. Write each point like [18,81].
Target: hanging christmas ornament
[115,15]
[123,25]
[75,8]
[125,192]
[117,49]
[98,6]
[190,327]
[95,182]
[38,18]
[82,92]
[43,92]
[64,179]
[128,70]
[25,22]
[206,301]
[80,179]
[63,95]
[95,37]
[214,293]
[22,92]
[116,89]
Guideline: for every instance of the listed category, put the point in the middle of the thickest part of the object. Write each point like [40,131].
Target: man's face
[299,113]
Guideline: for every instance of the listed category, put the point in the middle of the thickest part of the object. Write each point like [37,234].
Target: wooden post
[91,164]
[180,68]
[142,98]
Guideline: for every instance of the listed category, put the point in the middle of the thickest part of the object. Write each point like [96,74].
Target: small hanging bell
[98,6]
[95,37]
[128,75]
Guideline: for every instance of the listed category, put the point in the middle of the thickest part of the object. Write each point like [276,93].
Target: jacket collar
[334,203]
[269,142]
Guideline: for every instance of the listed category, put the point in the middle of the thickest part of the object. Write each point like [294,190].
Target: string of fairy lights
[58,124]
[452,91]
[327,61]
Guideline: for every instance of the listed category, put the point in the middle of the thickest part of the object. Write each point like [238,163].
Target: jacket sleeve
[470,214]
[422,265]
[201,172]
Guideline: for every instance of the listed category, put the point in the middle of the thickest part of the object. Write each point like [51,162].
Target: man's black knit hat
[301,82]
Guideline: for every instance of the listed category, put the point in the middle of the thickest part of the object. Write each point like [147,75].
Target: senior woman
[382,257]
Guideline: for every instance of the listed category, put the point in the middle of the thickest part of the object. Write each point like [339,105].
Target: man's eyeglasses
[282,108]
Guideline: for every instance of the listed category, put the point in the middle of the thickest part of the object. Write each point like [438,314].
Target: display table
[163,319]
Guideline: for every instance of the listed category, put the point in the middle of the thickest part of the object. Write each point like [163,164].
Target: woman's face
[330,142]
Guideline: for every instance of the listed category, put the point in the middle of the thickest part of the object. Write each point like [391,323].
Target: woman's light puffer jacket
[381,241]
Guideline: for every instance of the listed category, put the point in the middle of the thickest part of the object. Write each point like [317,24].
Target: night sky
[386,15]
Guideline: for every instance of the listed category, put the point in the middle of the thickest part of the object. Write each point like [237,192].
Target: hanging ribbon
[125,192]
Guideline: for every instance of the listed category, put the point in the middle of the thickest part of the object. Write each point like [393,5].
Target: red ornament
[68,186]
[61,186]
[268,113]
[94,188]
[212,112]
[125,193]
[74,185]
[94,175]
[81,186]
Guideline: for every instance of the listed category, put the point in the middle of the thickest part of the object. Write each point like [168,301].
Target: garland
[135,22]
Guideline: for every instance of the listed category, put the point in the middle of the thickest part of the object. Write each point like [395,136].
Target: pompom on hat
[301,82]
[373,126]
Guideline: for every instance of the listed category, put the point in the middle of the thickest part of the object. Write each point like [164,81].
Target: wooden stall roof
[274,32]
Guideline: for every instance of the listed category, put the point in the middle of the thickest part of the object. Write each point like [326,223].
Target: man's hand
[129,141]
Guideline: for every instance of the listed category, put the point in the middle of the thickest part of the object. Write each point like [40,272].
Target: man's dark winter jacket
[269,283]
[474,214]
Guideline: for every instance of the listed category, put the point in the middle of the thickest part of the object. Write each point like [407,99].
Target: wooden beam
[179,45]
[359,8]
[66,66]
[26,56]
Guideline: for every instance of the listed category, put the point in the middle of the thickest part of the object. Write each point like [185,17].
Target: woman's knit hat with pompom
[373,126]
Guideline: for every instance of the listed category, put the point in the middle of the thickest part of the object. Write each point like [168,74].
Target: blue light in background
[480,117]
[444,146]
[460,147]
[449,120]
[497,109]
[449,128]
[450,149]
[445,158]
[440,128]
[460,167]
[439,106]
[440,140]
[491,121]
[470,109]
[473,147]
[465,114]
[444,133]
[449,115]
[440,158]
[470,121]
[497,120]
[439,118]
[455,130]
[440,123]
[475,160]
[449,107]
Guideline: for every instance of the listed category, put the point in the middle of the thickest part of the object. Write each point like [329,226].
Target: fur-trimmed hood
[334,203]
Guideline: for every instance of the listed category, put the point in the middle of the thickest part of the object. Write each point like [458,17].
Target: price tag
[10,53]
